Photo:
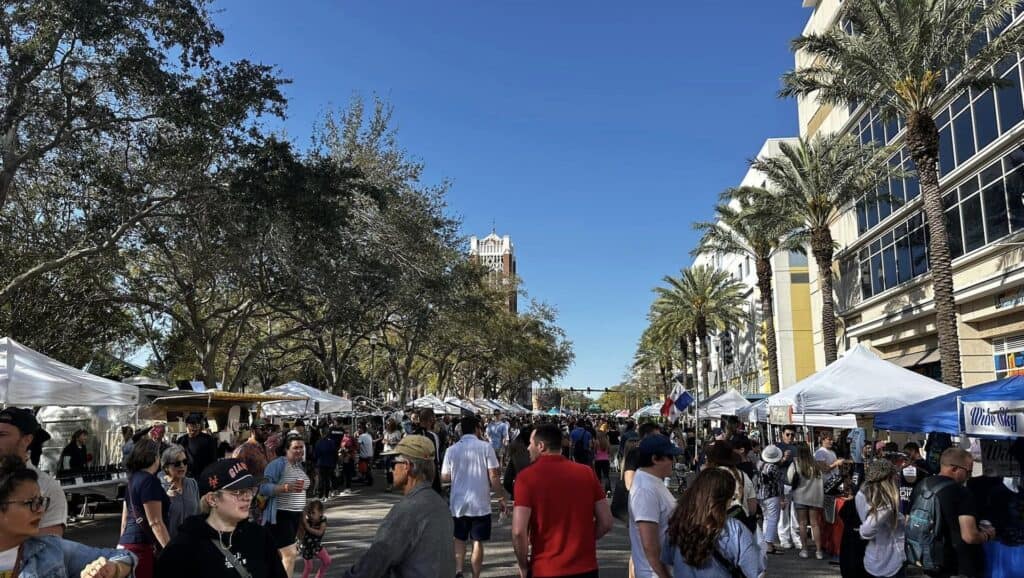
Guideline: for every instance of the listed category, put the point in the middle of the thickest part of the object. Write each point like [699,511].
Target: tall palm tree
[904,58]
[815,181]
[749,223]
[657,350]
[711,297]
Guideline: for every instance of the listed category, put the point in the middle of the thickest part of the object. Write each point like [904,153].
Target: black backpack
[925,543]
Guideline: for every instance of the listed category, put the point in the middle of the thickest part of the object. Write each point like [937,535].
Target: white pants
[789,527]
[770,527]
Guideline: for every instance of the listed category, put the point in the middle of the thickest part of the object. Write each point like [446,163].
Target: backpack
[924,541]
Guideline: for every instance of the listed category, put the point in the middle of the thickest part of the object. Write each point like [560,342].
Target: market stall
[858,383]
[315,401]
[464,406]
[435,403]
[724,403]
[993,412]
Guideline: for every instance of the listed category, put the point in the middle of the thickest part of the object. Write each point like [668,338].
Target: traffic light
[726,341]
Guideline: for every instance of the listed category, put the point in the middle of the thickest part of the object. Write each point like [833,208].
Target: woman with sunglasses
[26,554]
[221,542]
[181,490]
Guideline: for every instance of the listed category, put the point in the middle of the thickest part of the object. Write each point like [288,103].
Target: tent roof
[653,410]
[433,402]
[726,403]
[329,403]
[940,414]
[462,405]
[28,377]
[860,382]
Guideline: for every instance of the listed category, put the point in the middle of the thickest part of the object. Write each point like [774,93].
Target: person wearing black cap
[221,542]
[200,447]
[19,431]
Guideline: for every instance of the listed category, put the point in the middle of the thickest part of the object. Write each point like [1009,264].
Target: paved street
[354,520]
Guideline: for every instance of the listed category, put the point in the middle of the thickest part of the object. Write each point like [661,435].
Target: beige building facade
[883,284]
[746,370]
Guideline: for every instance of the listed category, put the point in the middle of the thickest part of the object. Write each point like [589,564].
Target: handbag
[733,570]
[620,502]
[232,560]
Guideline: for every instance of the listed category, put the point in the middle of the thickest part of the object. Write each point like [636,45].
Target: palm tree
[815,181]
[657,350]
[708,296]
[750,223]
[904,58]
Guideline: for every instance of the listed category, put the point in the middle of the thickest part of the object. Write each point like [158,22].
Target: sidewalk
[354,519]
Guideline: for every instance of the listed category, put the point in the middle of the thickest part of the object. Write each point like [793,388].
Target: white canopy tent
[859,382]
[653,410]
[435,403]
[28,377]
[757,412]
[725,404]
[462,405]
[328,402]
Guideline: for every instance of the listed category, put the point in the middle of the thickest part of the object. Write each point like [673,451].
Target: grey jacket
[415,540]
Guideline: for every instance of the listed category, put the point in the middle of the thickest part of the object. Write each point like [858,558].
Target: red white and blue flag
[676,402]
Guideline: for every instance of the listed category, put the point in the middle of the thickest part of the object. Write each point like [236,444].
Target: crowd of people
[708,504]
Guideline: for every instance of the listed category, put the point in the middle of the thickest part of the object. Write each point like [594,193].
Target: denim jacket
[271,478]
[53,557]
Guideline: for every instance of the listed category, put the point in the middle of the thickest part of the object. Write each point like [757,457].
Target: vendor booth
[653,410]
[435,403]
[724,403]
[462,405]
[993,412]
[29,378]
[315,401]
[859,382]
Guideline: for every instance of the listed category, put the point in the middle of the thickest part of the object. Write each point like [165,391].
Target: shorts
[286,528]
[476,528]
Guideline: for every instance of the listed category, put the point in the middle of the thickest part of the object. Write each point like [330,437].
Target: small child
[314,524]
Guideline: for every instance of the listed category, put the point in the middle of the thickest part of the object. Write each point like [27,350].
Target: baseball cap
[658,444]
[23,419]
[227,474]
[414,446]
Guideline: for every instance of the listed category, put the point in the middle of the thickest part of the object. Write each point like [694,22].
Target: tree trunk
[764,285]
[692,337]
[923,144]
[821,246]
[705,367]
[685,356]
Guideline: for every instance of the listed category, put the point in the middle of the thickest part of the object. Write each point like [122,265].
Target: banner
[780,414]
[994,418]
[997,459]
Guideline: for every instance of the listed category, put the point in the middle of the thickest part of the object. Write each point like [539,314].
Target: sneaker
[803,553]
[819,555]
[786,546]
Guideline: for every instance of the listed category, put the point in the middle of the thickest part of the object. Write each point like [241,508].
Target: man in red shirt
[560,512]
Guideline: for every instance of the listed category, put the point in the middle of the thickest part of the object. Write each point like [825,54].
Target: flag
[666,408]
[681,399]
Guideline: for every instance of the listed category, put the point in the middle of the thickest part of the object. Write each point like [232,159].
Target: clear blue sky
[593,132]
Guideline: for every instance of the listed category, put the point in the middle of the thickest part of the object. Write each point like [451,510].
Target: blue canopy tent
[941,414]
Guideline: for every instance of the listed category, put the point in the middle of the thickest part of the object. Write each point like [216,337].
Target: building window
[986,207]
[896,257]
[1008,356]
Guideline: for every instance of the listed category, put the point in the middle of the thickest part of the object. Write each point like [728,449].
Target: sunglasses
[179,463]
[36,505]
[399,461]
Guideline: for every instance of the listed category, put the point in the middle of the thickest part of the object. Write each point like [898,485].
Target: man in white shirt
[365,453]
[827,457]
[472,468]
[650,506]
[18,429]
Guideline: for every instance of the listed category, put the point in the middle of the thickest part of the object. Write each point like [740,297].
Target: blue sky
[593,132]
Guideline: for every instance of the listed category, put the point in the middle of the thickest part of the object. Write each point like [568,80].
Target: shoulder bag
[733,570]
[232,559]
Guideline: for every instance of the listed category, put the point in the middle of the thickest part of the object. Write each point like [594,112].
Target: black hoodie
[192,552]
